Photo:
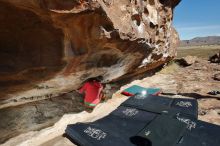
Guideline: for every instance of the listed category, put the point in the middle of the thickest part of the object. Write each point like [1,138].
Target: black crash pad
[189,107]
[161,104]
[163,131]
[126,125]
[112,130]
[121,128]
[199,133]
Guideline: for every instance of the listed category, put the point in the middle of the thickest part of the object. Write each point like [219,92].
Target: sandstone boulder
[187,61]
[61,43]
[215,58]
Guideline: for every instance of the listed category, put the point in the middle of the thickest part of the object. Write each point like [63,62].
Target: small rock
[108,2]
[217,77]
[202,113]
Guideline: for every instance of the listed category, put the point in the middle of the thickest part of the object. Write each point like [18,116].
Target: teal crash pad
[135,89]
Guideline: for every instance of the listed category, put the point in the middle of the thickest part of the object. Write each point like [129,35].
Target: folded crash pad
[112,130]
[163,131]
[138,89]
[161,104]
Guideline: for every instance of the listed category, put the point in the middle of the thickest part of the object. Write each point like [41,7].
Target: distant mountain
[199,41]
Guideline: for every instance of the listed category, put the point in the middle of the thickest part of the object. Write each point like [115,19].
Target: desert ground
[199,51]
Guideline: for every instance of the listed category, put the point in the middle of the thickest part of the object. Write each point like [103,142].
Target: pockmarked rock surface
[59,44]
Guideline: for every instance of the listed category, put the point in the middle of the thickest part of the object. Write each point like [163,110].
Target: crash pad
[112,130]
[138,89]
[199,133]
[163,131]
[133,123]
[162,104]
[187,106]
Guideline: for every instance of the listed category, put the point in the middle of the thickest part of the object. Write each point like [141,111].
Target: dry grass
[199,51]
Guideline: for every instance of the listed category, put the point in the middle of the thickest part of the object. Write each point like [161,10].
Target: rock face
[61,43]
[40,114]
[37,115]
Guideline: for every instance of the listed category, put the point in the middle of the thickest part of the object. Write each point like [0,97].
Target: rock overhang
[73,40]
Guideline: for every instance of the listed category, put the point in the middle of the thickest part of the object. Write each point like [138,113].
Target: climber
[92,91]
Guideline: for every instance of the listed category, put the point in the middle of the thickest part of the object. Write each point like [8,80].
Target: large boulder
[61,43]
[215,58]
[187,60]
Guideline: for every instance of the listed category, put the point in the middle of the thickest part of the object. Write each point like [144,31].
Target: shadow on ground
[193,95]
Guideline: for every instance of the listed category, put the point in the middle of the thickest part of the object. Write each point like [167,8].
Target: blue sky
[193,18]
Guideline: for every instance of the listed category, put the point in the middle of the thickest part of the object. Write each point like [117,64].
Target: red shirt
[92,92]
